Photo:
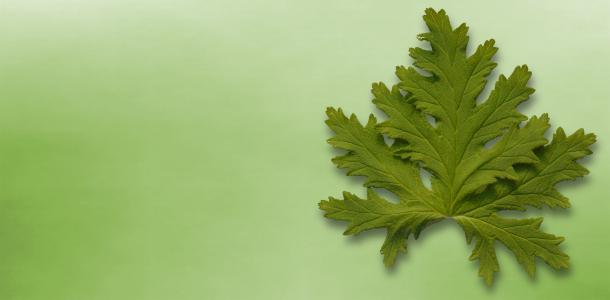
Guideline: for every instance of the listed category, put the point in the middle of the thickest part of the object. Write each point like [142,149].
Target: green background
[176,149]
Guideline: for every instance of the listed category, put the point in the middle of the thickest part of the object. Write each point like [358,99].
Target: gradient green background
[176,149]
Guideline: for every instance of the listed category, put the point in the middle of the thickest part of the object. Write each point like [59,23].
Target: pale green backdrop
[176,149]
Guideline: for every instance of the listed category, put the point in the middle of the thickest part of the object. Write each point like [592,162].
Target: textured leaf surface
[472,179]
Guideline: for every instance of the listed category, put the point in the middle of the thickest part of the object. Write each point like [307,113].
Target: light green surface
[176,149]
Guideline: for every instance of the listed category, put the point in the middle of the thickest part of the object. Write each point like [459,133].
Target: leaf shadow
[503,252]
[506,257]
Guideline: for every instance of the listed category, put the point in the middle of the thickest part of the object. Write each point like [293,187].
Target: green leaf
[400,219]
[521,236]
[535,185]
[368,155]
[472,180]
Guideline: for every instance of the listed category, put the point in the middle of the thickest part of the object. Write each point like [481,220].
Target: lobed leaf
[471,180]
